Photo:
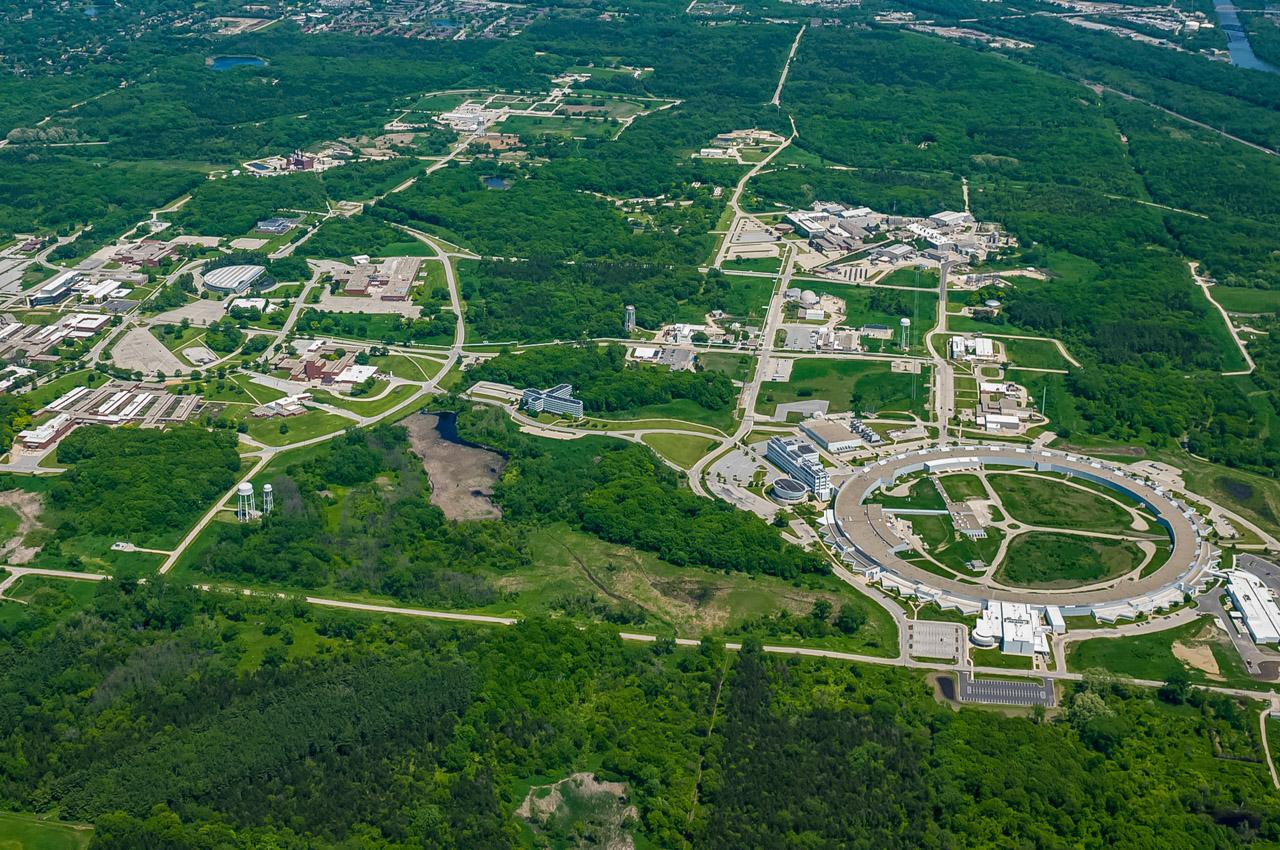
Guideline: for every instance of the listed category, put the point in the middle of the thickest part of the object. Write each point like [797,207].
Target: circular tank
[808,297]
[245,489]
[788,491]
[906,323]
[992,303]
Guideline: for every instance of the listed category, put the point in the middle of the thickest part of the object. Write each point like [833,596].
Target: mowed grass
[1032,500]
[681,409]
[843,383]
[1050,559]
[683,450]
[28,832]
[963,486]
[313,423]
[408,367]
[952,549]
[1034,354]
[737,366]
[372,407]
[1235,299]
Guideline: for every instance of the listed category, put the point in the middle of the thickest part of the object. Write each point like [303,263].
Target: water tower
[268,498]
[904,335]
[244,502]
[629,319]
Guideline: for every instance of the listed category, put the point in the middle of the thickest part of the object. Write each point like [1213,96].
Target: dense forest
[602,378]
[276,725]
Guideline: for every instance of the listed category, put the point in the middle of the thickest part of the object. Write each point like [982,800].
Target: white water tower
[244,502]
[904,336]
[268,498]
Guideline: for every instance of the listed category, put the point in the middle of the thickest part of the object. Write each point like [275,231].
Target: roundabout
[967,525]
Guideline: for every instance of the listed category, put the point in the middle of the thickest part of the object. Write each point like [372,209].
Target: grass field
[556,125]
[963,486]
[921,494]
[373,407]
[1042,501]
[736,366]
[407,366]
[1151,656]
[1235,299]
[27,832]
[917,278]
[313,423]
[753,264]
[872,385]
[1050,559]
[681,409]
[952,549]
[681,449]
[1034,354]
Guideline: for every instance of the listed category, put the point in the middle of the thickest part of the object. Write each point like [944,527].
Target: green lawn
[1238,300]
[1050,559]
[870,385]
[737,366]
[28,832]
[753,264]
[921,494]
[681,449]
[1150,656]
[996,658]
[407,366]
[963,486]
[373,407]
[1033,500]
[1034,354]
[55,389]
[952,549]
[913,277]
[681,409]
[313,423]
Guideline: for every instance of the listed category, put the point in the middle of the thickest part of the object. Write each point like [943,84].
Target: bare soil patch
[1198,655]
[462,477]
[581,812]
[28,507]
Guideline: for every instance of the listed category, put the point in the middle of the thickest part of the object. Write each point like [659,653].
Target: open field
[1034,354]
[1033,500]
[963,486]
[846,384]
[313,423]
[27,832]
[1235,299]
[1050,559]
[1152,656]
[681,449]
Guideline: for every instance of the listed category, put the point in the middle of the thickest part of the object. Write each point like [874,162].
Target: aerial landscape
[633,424]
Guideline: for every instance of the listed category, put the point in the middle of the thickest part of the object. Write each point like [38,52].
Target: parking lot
[1001,692]
[931,639]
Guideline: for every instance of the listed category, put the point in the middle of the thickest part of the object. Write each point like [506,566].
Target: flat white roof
[232,277]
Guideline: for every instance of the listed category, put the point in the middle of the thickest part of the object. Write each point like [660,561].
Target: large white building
[236,279]
[558,399]
[833,436]
[1256,604]
[801,461]
[1013,626]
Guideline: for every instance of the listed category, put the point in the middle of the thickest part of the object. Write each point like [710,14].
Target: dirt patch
[581,812]
[1200,656]
[462,477]
[28,507]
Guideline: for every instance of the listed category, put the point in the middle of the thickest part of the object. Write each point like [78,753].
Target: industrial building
[276,225]
[801,461]
[389,280]
[1256,604]
[676,359]
[971,348]
[53,291]
[327,363]
[234,279]
[558,399]
[43,436]
[832,435]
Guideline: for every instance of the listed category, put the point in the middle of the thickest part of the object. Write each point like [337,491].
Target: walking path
[1206,287]
[786,68]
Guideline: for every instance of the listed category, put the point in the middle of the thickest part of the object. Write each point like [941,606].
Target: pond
[226,63]
[500,184]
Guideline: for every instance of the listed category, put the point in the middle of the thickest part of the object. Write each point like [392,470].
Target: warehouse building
[1256,604]
[53,291]
[234,279]
[835,437]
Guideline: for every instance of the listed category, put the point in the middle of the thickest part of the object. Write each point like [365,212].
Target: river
[1242,55]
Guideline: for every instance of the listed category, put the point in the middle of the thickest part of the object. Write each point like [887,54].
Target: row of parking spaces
[1002,692]
[929,639]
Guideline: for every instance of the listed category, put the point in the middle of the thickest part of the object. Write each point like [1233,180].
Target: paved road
[16,573]
[786,68]
[266,454]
